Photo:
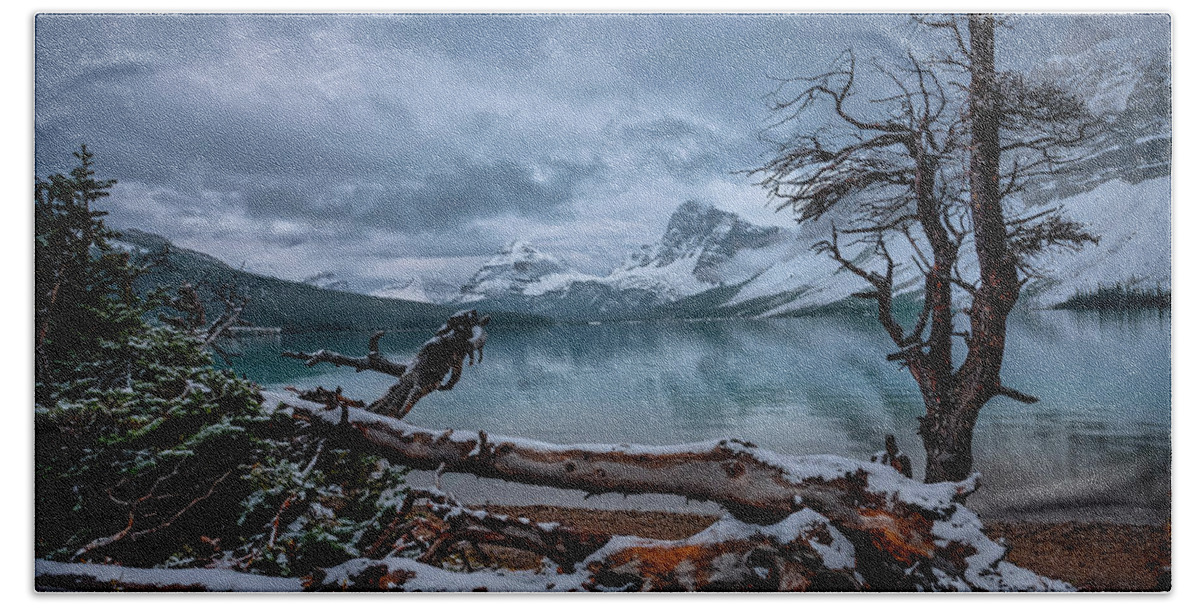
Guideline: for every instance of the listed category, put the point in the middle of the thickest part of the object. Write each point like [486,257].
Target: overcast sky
[383,147]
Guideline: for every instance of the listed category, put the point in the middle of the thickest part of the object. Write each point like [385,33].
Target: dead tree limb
[372,361]
[755,485]
[458,340]
[192,319]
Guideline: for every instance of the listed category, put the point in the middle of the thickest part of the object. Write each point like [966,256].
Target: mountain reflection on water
[1097,445]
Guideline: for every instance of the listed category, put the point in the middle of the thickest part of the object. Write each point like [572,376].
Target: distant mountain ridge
[290,305]
[419,289]
[703,248]
[327,280]
[710,263]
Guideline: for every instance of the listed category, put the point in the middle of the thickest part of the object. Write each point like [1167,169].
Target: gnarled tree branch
[458,340]
[372,361]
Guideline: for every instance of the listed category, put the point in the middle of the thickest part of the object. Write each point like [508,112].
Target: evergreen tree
[145,454]
[85,306]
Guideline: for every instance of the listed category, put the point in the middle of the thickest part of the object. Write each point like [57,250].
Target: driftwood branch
[459,340]
[447,524]
[372,361]
[1015,394]
[191,317]
[729,472]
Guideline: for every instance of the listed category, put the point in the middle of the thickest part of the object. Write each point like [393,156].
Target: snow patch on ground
[209,580]
[429,578]
[985,568]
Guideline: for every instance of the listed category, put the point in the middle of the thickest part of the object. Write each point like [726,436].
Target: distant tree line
[1119,297]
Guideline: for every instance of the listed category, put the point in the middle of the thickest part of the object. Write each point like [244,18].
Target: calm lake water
[1097,446]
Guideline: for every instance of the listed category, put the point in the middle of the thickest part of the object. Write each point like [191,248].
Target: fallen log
[906,535]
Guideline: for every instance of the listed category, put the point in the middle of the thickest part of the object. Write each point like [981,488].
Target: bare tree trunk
[948,427]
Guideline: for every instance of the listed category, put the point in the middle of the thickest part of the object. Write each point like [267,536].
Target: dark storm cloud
[434,135]
[453,197]
[293,115]
[681,147]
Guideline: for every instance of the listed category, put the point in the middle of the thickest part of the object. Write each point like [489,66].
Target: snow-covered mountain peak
[702,248]
[525,261]
[709,235]
[514,269]
[519,247]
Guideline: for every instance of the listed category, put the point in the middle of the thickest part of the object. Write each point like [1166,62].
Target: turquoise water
[1099,440]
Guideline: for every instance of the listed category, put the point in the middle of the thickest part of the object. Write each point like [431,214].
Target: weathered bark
[372,361]
[747,481]
[949,423]
[438,525]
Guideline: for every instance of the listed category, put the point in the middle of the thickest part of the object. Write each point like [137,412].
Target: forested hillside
[274,302]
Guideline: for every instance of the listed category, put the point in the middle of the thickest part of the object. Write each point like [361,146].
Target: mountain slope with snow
[710,263]
[327,280]
[703,248]
[419,289]
[518,269]
[1133,222]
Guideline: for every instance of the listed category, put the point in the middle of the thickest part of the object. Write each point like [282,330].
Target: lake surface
[1097,446]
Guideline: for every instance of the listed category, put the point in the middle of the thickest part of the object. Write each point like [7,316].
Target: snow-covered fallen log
[753,484]
[898,534]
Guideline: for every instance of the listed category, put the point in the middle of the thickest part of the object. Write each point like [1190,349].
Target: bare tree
[931,166]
